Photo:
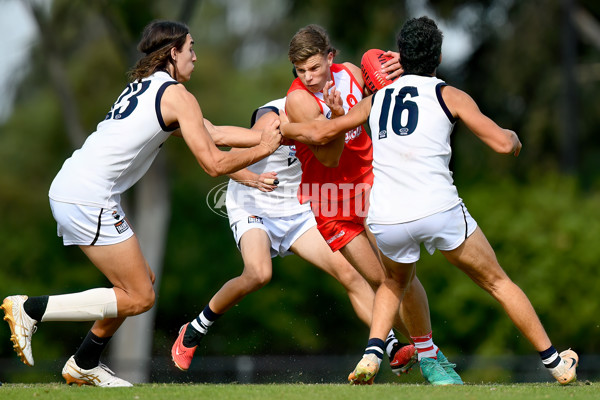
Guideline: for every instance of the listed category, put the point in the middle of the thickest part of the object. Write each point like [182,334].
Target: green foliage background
[542,221]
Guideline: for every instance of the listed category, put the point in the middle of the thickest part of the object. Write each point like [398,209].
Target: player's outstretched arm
[232,136]
[301,107]
[323,131]
[229,135]
[179,105]
[463,107]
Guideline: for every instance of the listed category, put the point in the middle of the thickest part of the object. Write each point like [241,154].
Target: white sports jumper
[120,151]
[283,201]
[411,127]
[86,193]
[278,213]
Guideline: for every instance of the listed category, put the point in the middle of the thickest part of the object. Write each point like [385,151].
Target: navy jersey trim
[369,117]
[438,93]
[159,95]
[259,112]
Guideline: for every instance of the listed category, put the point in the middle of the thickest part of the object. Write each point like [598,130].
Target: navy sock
[550,357]
[375,346]
[209,314]
[35,307]
[88,354]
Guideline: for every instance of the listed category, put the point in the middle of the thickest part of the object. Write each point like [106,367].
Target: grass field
[528,391]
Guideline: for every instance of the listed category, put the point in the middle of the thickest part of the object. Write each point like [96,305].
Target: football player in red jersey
[337,176]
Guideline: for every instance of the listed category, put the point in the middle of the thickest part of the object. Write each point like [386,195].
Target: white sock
[91,305]
[201,323]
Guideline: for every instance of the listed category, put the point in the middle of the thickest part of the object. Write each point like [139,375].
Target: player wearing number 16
[414,200]
[85,198]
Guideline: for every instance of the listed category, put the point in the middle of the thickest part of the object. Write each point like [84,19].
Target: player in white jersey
[268,220]
[416,141]
[414,200]
[85,197]
[282,165]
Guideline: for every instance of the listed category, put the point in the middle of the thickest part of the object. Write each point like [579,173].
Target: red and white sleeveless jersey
[355,162]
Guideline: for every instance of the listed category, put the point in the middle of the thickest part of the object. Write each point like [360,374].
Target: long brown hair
[158,38]
[309,41]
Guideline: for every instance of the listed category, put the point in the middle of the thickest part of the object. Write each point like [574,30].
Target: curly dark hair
[420,46]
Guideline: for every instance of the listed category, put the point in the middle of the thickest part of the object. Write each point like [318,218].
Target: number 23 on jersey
[128,101]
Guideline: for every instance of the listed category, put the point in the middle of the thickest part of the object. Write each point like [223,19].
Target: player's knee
[493,284]
[498,285]
[261,280]
[148,300]
[143,301]
[257,279]
[375,280]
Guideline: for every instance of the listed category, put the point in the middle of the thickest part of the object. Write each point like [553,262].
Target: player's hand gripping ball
[371,66]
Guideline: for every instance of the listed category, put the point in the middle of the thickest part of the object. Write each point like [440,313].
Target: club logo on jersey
[121,226]
[351,100]
[253,219]
[292,152]
[382,134]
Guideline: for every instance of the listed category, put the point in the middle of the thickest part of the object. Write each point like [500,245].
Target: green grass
[528,391]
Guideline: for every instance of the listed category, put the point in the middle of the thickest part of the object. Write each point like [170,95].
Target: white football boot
[100,376]
[565,372]
[22,326]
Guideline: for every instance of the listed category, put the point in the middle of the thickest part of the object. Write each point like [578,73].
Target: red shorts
[337,234]
[340,222]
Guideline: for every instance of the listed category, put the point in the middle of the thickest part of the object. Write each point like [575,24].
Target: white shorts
[445,231]
[86,225]
[282,231]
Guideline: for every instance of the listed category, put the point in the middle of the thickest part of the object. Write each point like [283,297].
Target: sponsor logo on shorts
[121,226]
[339,235]
[253,219]
[116,215]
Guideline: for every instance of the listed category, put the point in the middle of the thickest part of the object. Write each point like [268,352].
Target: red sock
[425,346]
